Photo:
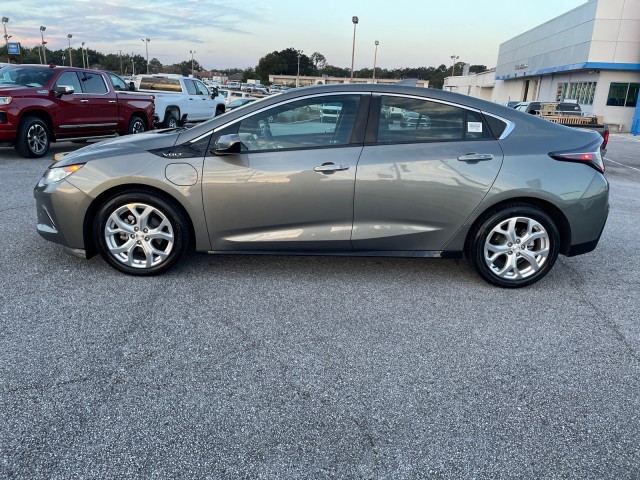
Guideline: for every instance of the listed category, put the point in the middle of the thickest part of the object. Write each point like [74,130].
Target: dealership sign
[14,48]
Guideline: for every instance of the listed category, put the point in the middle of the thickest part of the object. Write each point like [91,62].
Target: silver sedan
[506,189]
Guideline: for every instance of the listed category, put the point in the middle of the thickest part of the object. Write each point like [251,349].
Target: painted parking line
[623,165]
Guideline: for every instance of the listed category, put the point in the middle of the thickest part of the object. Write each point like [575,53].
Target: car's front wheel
[514,246]
[141,233]
[32,140]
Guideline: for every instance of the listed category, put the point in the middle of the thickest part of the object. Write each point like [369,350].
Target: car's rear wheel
[514,246]
[141,233]
[136,125]
[170,121]
[33,139]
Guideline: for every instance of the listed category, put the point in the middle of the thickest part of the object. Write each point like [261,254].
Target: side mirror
[132,86]
[228,145]
[64,90]
[214,92]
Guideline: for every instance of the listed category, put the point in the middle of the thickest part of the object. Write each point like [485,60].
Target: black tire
[138,244]
[514,245]
[219,110]
[136,125]
[170,121]
[33,138]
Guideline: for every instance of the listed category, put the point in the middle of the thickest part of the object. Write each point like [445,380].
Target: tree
[319,61]
[284,62]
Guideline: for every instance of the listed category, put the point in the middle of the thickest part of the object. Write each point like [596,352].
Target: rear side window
[413,120]
[191,88]
[93,83]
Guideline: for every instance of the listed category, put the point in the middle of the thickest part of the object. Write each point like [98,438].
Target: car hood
[125,145]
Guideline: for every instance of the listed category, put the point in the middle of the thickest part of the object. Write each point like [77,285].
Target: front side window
[201,88]
[69,79]
[93,83]
[302,124]
[414,120]
[118,83]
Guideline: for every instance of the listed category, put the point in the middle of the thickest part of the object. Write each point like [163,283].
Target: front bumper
[61,210]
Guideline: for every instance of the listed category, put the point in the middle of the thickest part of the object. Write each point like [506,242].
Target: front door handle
[475,157]
[84,101]
[330,167]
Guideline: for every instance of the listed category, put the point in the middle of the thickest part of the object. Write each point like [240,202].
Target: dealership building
[590,54]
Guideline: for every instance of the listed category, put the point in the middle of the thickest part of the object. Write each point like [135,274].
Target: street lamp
[375,57]
[454,58]
[70,51]
[63,59]
[120,58]
[353,50]
[192,52]
[299,52]
[146,44]
[44,51]
[82,52]
[5,20]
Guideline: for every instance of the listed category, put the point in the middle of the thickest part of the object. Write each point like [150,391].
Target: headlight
[56,174]
[5,100]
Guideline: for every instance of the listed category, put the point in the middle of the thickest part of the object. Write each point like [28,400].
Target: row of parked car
[43,104]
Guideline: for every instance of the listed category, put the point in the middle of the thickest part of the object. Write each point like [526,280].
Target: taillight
[589,155]
[605,139]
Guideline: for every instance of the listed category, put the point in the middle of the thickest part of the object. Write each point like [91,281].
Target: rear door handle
[330,167]
[475,157]
[84,101]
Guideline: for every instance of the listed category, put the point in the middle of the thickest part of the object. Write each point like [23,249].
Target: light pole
[5,20]
[454,58]
[63,59]
[69,36]
[82,53]
[44,51]
[146,44]
[120,58]
[375,57]
[299,52]
[192,52]
[353,49]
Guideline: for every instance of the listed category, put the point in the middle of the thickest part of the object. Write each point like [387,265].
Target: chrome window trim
[239,119]
[428,99]
[509,128]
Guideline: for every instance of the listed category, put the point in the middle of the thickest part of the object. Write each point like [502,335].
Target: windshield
[25,76]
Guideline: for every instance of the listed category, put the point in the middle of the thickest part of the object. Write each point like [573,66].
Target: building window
[582,92]
[623,94]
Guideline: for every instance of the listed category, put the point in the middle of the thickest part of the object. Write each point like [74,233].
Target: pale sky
[238,33]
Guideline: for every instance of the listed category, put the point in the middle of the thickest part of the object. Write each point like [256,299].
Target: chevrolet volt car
[505,189]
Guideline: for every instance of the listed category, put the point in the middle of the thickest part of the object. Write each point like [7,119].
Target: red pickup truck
[41,104]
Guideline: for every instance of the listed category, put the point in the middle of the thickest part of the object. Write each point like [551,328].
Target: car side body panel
[417,196]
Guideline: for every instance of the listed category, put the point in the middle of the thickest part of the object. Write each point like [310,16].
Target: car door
[90,110]
[209,105]
[291,186]
[198,109]
[419,181]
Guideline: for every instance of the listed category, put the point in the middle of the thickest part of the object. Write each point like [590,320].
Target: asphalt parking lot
[311,367]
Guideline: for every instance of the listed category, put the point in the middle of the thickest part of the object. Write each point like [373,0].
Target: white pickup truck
[180,99]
